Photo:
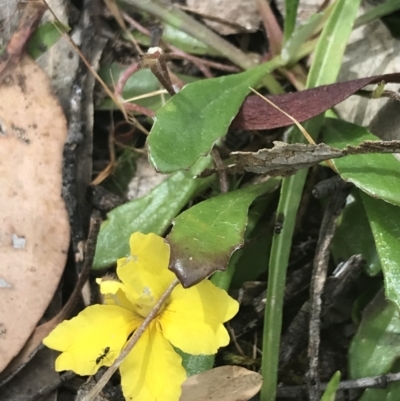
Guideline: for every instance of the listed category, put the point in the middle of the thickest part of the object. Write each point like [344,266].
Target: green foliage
[384,220]
[299,37]
[205,236]
[375,347]
[208,236]
[152,213]
[324,70]
[290,18]
[181,40]
[353,235]
[378,175]
[140,83]
[44,37]
[190,123]
[330,391]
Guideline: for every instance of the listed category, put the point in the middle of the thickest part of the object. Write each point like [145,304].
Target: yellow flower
[191,320]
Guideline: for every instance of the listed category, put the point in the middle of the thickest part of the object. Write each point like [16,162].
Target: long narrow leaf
[290,18]
[330,47]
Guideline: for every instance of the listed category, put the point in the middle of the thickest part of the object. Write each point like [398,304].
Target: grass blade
[325,68]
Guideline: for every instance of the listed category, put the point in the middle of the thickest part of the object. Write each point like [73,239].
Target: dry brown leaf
[285,159]
[225,383]
[34,229]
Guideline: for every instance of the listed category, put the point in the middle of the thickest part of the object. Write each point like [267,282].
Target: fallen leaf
[371,50]
[145,179]
[34,230]
[225,383]
[284,159]
[256,114]
[240,16]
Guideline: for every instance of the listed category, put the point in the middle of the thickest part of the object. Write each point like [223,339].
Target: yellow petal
[145,272]
[192,321]
[114,293]
[99,331]
[152,371]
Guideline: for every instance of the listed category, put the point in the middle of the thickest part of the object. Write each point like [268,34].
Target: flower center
[146,302]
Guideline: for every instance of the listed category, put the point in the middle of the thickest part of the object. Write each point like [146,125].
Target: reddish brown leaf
[256,114]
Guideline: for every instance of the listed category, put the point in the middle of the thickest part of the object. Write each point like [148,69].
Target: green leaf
[205,236]
[44,37]
[253,257]
[330,391]
[353,235]
[152,213]
[125,168]
[376,174]
[384,219]
[376,345]
[332,43]
[181,40]
[190,123]
[300,35]
[290,18]
[140,83]
[324,70]
[379,11]
[199,363]
[390,393]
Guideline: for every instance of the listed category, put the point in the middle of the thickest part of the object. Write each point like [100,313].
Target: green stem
[172,15]
[377,12]
[280,250]
[290,18]
[291,192]
[325,68]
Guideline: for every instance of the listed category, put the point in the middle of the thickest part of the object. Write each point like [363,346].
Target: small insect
[106,350]
[279,223]
[278,227]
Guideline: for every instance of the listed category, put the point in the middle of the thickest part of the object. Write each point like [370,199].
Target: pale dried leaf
[225,383]
[283,159]
[10,14]
[32,135]
[372,50]
[242,13]
[145,179]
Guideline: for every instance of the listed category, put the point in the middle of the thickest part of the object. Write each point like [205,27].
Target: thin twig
[295,338]
[131,343]
[363,383]
[46,390]
[98,78]
[219,164]
[154,59]
[321,260]
[271,26]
